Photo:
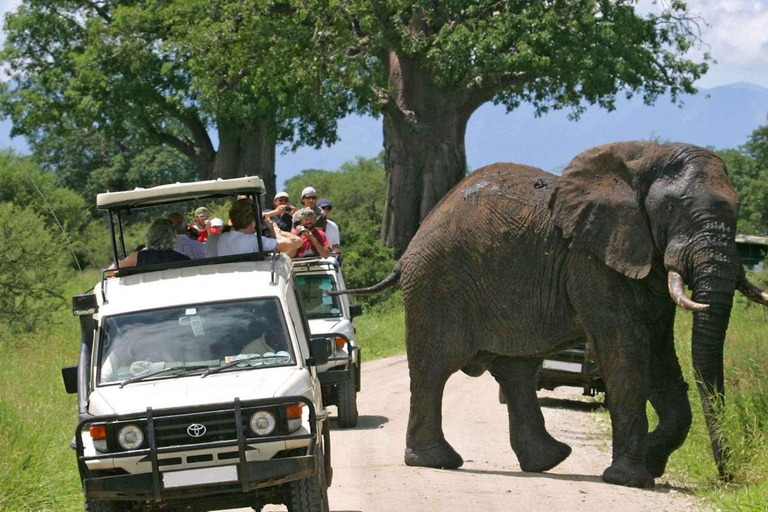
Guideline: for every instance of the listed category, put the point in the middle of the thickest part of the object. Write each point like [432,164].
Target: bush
[34,268]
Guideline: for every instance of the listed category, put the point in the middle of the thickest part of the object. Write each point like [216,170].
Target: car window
[317,302]
[209,335]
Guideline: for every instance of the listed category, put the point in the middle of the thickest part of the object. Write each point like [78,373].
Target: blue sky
[735,33]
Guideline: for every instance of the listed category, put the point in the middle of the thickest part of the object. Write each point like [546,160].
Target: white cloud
[736,36]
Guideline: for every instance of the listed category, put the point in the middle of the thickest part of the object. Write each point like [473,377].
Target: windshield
[317,303]
[202,336]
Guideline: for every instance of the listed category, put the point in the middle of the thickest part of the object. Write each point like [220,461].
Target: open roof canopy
[176,192]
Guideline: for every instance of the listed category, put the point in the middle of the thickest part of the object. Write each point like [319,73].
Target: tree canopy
[171,73]
[748,170]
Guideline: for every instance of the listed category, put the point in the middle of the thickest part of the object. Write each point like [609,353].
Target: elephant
[514,264]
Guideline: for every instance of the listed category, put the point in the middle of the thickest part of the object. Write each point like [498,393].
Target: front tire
[310,494]
[346,403]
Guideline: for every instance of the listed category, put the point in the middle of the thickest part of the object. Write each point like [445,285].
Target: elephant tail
[390,280]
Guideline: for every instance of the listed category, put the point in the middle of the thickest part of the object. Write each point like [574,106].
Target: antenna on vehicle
[69,244]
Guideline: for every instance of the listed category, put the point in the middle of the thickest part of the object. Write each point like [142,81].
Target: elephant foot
[438,455]
[656,463]
[543,459]
[629,476]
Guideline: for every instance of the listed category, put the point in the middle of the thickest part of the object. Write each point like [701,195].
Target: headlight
[263,423]
[130,437]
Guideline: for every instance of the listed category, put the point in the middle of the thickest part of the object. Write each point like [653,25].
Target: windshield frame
[99,355]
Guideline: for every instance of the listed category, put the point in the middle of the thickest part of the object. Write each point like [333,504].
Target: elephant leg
[623,358]
[429,366]
[536,450]
[669,397]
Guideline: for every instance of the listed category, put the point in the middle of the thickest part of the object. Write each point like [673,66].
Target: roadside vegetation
[745,416]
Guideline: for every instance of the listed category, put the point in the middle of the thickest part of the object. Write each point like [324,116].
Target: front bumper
[251,476]
[245,476]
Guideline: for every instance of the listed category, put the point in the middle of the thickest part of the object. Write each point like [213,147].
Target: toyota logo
[196,430]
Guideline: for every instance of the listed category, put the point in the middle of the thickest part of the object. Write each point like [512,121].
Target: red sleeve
[323,238]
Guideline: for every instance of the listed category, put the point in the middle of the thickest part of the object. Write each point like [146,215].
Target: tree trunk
[247,151]
[424,128]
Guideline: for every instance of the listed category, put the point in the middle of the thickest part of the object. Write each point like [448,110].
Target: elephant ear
[596,206]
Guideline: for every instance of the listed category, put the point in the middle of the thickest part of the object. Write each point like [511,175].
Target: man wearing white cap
[282,213]
[309,200]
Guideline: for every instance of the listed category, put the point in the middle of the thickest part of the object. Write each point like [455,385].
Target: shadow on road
[662,488]
[364,423]
[571,405]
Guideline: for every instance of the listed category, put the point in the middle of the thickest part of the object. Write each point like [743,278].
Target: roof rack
[176,192]
[117,202]
[331,262]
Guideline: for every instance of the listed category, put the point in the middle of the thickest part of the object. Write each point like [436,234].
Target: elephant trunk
[714,283]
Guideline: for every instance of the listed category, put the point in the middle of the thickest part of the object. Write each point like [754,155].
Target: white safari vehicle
[197,382]
[340,377]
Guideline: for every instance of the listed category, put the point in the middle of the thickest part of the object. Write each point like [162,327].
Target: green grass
[37,418]
[745,417]
[381,329]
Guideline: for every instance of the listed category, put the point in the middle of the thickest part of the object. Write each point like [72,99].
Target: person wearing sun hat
[282,212]
[314,241]
[309,200]
[201,223]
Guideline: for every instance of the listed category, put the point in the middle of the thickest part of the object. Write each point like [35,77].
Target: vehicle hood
[194,390]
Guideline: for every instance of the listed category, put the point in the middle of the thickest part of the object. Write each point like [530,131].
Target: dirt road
[370,476]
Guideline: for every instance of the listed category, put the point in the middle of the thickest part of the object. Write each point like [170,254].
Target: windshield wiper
[180,369]
[236,362]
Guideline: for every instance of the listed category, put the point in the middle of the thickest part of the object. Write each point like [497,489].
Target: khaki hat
[282,194]
[202,211]
[307,212]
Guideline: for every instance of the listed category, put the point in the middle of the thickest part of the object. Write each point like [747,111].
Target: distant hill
[722,117]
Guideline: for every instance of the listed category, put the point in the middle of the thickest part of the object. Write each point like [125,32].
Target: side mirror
[319,350]
[85,304]
[355,311]
[69,374]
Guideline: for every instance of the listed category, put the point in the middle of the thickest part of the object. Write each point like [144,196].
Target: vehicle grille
[172,430]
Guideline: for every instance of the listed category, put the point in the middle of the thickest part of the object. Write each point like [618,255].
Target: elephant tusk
[677,291]
[752,292]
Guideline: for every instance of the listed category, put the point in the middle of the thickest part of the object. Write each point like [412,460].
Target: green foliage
[748,170]
[504,50]
[92,164]
[23,184]
[357,192]
[38,471]
[745,418]
[33,268]
[99,83]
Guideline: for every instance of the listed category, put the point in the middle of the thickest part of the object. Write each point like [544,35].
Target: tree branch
[103,14]
[193,123]
[485,91]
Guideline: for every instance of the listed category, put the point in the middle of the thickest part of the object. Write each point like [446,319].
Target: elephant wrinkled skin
[515,264]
